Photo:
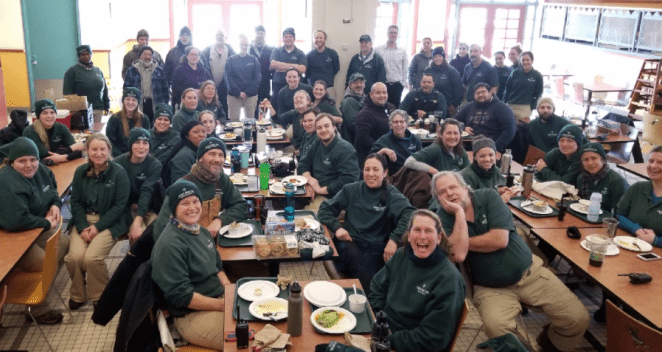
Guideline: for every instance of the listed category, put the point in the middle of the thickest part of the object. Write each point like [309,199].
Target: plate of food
[235,124]
[228,136]
[263,122]
[465,134]
[258,289]
[295,180]
[236,230]
[333,320]
[278,188]
[306,223]
[275,133]
[239,179]
[612,249]
[324,294]
[581,208]
[537,207]
[420,132]
[273,308]
[633,244]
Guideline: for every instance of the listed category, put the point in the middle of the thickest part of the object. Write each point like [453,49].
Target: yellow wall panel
[17,91]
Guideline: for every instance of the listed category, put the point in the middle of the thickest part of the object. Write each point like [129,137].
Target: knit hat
[356,76]
[139,134]
[365,38]
[82,48]
[145,47]
[185,30]
[142,33]
[180,190]
[573,132]
[187,128]
[547,100]
[210,143]
[594,147]
[260,28]
[41,105]
[481,142]
[439,51]
[131,92]
[23,146]
[289,30]
[164,110]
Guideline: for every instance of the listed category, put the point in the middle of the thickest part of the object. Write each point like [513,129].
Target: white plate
[247,290]
[244,230]
[243,181]
[345,324]
[269,305]
[627,243]
[296,180]
[530,209]
[611,250]
[235,124]
[228,138]
[432,135]
[312,224]
[278,188]
[421,133]
[263,123]
[324,294]
[465,134]
[578,208]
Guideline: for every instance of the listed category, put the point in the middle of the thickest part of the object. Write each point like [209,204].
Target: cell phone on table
[648,256]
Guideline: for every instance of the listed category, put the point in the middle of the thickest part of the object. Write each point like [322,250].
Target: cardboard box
[63,104]
[76,102]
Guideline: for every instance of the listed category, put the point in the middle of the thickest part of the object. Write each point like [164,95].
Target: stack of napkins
[270,339]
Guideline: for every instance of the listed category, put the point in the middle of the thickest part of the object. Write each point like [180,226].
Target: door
[234,17]
[496,27]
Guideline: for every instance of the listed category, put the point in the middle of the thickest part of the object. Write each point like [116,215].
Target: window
[553,22]
[618,27]
[650,35]
[581,24]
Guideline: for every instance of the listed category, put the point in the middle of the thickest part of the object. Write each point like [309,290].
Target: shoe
[73,305]
[49,318]
[544,341]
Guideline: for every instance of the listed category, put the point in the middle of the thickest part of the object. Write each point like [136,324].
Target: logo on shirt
[531,79]
[210,244]
[109,184]
[57,139]
[46,188]
[479,74]
[142,176]
[379,208]
[412,147]
[294,57]
[659,212]
[421,290]
[443,77]
[367,66]
[483,219]
[328,59]
[327,162]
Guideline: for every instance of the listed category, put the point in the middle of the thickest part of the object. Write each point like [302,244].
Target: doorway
[496,27]
[206,17]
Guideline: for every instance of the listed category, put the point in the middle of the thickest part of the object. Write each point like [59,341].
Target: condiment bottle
[294,310]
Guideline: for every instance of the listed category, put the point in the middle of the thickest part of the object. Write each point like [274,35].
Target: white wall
[11,25]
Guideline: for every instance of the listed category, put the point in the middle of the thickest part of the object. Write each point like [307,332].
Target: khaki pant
[236,104]
[97,115]
[33,261]
[86,263]
[202,328]
[499,307]
[522,112]
[315,203]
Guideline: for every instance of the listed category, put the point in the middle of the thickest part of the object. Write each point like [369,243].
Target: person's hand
[541,164]
[389,153]
[85,235]
[450,207]
[215,227]
[57,158]
[242,95]
[53,223]
[313,182]
[135,231]
[265,104]
[343,235]
[432,171]
[54,214]
[421,114]
[647,235]
[469,130]
[506,195]
[92,232]
[390,249]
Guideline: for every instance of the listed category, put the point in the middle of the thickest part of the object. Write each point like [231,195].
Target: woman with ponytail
[376,217]
[121,123]
[53,139]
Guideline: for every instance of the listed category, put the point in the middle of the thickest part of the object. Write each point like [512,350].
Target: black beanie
[439,51]
[131,92]
[180,190]
[164,110]
[289,30]
[82,48]
[210,143]
[145,47]
[22,146]
[187,128]
[41,105]
[139,134]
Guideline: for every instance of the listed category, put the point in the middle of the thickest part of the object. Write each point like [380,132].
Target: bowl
[539,205]
[234,232]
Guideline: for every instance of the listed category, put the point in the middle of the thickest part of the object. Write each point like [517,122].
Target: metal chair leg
[40,330]
[59,295]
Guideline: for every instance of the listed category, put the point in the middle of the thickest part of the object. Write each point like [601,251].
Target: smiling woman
[121,123]
[54,141]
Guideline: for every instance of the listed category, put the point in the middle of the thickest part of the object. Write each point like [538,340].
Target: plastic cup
[597,245]
[610,224]
[357,303]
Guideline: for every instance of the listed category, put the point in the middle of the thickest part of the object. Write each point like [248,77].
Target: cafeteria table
[599,87]
[309,337]
[638,169]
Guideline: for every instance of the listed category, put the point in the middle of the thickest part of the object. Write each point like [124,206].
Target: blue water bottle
[289,202]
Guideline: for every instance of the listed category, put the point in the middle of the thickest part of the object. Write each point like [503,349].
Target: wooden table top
[549,222]
[604,87]
[614,139]
[638,169]
[638,297]
[285,141]
[309,337]
[255,171]
[64,173]
[13,246]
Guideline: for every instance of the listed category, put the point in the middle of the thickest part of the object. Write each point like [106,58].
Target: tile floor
[81,334]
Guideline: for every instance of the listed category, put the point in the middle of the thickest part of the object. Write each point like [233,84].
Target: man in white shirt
[395,59]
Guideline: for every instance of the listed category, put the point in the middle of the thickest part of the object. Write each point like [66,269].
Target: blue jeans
[360,259]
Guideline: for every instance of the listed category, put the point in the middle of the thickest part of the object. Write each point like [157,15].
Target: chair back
[620,153]
[624,333]
[458,328]
[578,97]
[2,301]
[533,154]
[50,259]
[559,88]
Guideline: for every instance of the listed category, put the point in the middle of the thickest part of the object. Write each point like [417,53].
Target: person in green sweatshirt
[30,200]
[144,172]
[545,129]
[596,176]
[446,153]
[399,144]
[562,163]
[121,123]
[222,202]
[420,289]
[188,269]
[351,105]
[187,112]
[324,102]
[330,163]
[376,217]
[182,155]
[85,79]
[483,172]
[523,88]
[54,141]
[162,137]
[99,193]
[308,124]
[291,120]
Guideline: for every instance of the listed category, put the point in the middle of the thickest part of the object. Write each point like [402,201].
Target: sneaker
[73,305]
[544,341]
[49,318]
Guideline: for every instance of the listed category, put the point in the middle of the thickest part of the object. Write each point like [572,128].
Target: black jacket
[19,119]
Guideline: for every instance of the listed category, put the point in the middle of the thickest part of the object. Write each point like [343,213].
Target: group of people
[348,155]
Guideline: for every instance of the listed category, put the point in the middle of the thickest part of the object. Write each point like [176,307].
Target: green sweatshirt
[294,118]
[326,107]
[366,217]
[162,143]
[478,182]
[637,205]
[334,165]
[559,168]
[503,267]
[523,88]
[4,150]
[90,83]
[106,195]
[612,187]
[181,163]
[115,133]
[59,137]
[306,142]
[143,178]
[349,107]
[233,204]
[182,116]
[183,263]
[544,134]
[435,156]
[422,299]
[26,201]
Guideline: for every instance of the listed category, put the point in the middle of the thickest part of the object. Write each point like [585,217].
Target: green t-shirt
[435,156]
[162,143]
[115,133]
[544,135]
[637,205]
[143,178]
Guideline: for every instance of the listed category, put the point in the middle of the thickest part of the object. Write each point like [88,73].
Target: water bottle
[505,162]
[248,133]
[594,207]
[294,310]
[289,202]
[261,140]
[380,330]
[527,180]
